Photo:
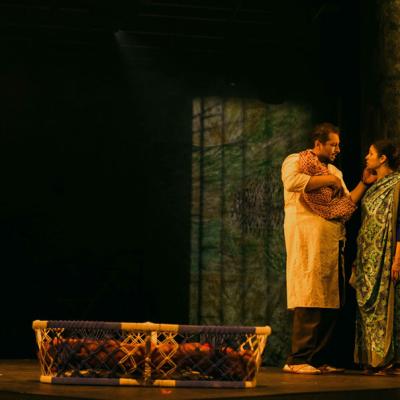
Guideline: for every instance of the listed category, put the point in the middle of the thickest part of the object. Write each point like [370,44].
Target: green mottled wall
[389,36]
[380,70]
[238,255]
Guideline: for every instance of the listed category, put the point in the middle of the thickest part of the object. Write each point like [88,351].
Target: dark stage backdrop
[95,205]
[143,184]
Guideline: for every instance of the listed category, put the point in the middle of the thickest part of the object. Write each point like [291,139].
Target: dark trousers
[311,336]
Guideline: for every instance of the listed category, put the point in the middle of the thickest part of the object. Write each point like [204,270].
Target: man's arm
[295,181]
[292,179]
[317,182]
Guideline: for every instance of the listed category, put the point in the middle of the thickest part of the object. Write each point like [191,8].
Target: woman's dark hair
[390,149]
[321,132]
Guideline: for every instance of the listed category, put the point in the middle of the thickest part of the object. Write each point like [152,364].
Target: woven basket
[148,354]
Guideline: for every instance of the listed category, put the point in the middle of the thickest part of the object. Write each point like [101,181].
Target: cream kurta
[312,244]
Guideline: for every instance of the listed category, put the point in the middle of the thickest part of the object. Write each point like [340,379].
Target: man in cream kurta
[313,253]
[312,244]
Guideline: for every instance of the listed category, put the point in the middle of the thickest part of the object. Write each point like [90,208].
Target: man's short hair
[321,132]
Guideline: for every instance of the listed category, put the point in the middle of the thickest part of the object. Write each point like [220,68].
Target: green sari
[377,321]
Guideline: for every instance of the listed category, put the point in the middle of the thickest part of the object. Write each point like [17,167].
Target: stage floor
[19,380]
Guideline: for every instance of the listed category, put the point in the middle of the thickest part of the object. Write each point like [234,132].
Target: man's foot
[301,369]
[329,369]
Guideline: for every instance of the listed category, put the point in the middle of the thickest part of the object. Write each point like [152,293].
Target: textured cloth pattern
[326,201]
[378,314]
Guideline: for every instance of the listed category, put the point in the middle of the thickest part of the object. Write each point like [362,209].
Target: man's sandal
[301,369]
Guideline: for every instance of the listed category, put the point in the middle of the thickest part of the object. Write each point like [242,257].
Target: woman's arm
[368,178]
[395,272]
[358,192]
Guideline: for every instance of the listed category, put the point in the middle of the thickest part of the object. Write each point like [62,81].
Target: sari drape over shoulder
[377,322]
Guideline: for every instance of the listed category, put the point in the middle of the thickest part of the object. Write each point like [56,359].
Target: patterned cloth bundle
[327,202]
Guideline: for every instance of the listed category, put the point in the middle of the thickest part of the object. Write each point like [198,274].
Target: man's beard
[325,159]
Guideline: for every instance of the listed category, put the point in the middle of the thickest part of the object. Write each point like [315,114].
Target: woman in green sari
[377,266]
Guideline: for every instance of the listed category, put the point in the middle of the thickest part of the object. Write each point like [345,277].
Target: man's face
[328,151]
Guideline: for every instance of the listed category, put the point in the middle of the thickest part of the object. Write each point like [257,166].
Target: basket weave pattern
[182,353]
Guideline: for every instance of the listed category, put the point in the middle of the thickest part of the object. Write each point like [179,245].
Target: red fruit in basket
[206,348]
[129,355]
[189,348]
[166,348]
[247,355]
[160,352]
[228,350]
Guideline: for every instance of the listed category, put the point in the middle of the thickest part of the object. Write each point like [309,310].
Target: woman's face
[373,159]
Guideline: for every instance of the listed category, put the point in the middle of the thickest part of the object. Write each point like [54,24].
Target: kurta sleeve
[292,179]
